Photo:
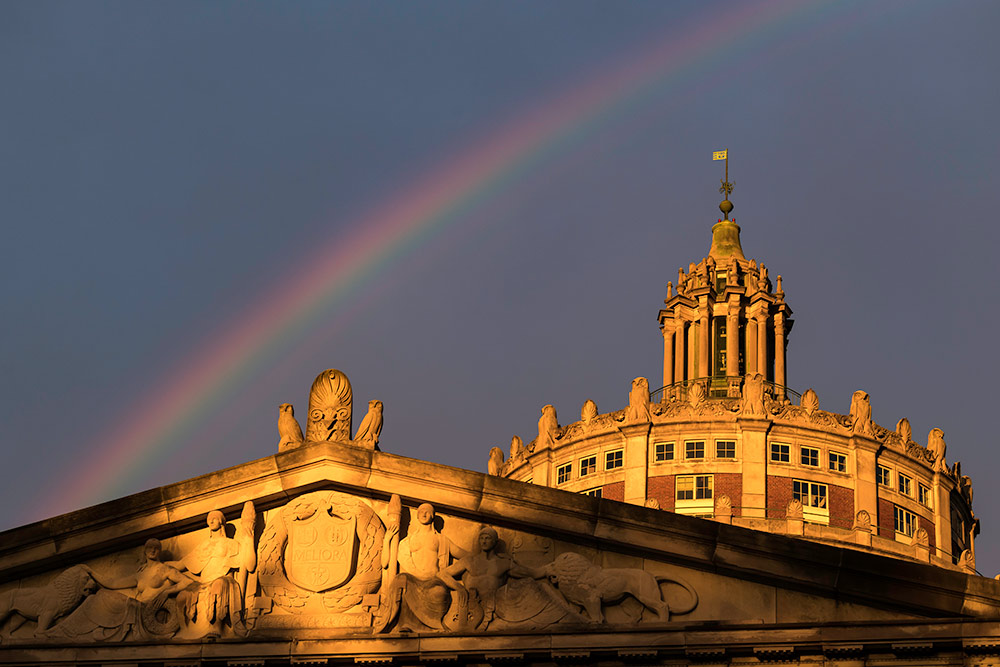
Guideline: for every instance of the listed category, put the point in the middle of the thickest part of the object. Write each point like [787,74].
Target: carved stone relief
[936,446]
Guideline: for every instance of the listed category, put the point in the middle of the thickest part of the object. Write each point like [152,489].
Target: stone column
[636,461]
[754,438]
[762,360]
[733,339]
[692,350]
[779,354]
[668,353]
[751,346]
[704,331]
[678,350]
[865,487]
[941,497]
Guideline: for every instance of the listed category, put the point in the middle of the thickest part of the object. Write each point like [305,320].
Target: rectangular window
[694,495]
[595,493]
[694,450]
[663,451]
[725,449]
[838,462]
[613,459]
[564,473]
[694,487]
[813,497]
[925,495]
[781,453]
[810,456]
[905,485]
[883,476]
[720,280]
[906,522]
[588,465]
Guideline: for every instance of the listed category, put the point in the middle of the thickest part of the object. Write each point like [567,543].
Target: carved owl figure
[936,445]
[638,401]
[861,413]
[289,432]
[330,405]
[371,426]
[495,463]
[548,428]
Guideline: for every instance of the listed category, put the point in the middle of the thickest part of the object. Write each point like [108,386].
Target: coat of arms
[320,551]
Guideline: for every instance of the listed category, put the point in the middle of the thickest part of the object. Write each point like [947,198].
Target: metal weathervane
[726,188]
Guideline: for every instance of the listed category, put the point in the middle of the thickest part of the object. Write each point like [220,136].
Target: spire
[725,233]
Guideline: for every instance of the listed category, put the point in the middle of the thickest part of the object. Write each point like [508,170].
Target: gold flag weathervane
[727,188]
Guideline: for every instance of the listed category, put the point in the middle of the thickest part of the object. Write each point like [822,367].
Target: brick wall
[615,491]
[779,494]
[886,519]
[730,484]
[661,488]
[841,506]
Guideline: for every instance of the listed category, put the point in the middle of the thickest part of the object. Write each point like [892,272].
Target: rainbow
[328,279]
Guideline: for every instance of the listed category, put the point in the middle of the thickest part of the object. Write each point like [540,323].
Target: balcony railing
[721,386]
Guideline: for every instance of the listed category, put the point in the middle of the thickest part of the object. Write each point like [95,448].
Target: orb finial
[726,189]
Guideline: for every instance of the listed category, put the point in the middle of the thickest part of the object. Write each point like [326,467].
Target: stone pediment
[329,541]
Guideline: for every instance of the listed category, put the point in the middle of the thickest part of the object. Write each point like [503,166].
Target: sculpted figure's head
[215,520]
[425,514]
[152,549]
[487,539]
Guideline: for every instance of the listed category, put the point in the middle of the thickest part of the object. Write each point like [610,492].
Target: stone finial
[778,290]
[794,509]
[330,404]
[936,445]
[809,401]
[695,394]
[921,538]
[863,521]
[652,503]
[517,449]
[723,509]
[495,464]
[967,560]
[762,282]
[289,431]
[638,401]
[588,412]
[670,290]
[904,431]
[861,413]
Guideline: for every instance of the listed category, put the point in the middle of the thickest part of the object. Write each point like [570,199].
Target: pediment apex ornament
[331,402]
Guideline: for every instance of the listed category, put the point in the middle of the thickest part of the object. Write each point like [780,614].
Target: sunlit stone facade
[724,438]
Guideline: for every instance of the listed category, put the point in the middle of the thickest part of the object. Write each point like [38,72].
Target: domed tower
[725,321]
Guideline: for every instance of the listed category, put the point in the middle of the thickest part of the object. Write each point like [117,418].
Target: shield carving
[319,554]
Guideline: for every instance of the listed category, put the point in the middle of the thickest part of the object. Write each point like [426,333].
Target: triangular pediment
[329,541]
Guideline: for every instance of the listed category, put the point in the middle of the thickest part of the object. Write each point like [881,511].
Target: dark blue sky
[163,164]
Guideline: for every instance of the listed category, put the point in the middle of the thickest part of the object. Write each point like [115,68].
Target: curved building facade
[725,438]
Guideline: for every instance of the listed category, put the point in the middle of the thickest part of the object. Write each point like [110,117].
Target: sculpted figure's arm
[391,532]
[448,576]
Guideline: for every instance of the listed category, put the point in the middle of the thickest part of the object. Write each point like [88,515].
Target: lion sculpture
[47,603]
[589,586]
